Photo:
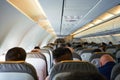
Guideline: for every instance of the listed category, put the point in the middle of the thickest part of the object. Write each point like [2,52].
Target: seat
[78,51]
[94,59]
[39,62]
[86,54]
[115,74]
[117,55]
[76,56]
[117,77]
[96,62]
[63,68]
[49,58]
[111,49]
[99,54]
[17,70]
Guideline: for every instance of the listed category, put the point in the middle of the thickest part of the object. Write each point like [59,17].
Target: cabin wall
[18,30]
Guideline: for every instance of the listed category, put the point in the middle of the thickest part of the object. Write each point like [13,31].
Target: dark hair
[110,42]
[82,76]
[68,44]
[62,45]
[97,50]
[36,47]
[16,54]
[60,52]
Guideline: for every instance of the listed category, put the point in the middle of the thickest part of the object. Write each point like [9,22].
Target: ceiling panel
[53,9]
[76,13]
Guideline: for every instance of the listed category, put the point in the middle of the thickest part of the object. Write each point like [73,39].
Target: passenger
[16,54]
[81,76]
[85,45]
[62,45]
[36,49]
[103,46]
[61,54]
[107,63]
[75,55]
[110,44]
[97,50]
[68,45]
[78,47]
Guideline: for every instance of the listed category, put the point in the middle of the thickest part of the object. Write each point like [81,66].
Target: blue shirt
[106,69]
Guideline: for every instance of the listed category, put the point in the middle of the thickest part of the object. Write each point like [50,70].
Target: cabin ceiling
[23,24]
[63,17]
[67,16]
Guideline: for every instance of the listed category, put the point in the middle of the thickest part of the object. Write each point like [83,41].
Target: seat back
[96,62]
[99,54]
[39,62]
[71,66]
[94,59]
[115,72]
[118,55]
[78,50]
[49,58]
[117,77]
[86,54]
[111,49]
[76,56]
[17,70]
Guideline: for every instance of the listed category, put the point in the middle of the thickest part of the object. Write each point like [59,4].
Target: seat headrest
[18,66]
[99,54]
[87,51]
[36,55]
[96,62]
[79,76]
[69,66]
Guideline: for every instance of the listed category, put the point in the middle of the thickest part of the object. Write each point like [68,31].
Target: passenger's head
[16,54]
[62,45]
[103,46]
[68,44]
[36,49]
[97,50]
[61,54]
[81,76]
[110,43]
[105,59]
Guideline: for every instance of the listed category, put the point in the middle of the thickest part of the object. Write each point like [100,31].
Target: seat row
[35,67]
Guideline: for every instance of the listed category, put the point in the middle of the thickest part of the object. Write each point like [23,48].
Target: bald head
[105,59]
